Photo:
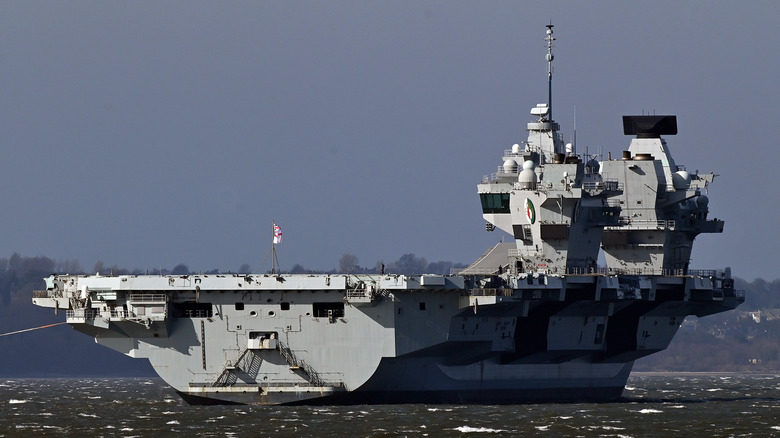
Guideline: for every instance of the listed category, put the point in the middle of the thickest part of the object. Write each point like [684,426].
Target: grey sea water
[652,405]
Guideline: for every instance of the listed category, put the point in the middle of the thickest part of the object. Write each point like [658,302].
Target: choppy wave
[666,405]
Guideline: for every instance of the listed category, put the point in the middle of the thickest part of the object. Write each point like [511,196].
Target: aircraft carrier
[537,318]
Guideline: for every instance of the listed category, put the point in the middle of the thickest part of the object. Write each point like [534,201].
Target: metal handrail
[148,298]
[81,314]
[625,222]
[608,185]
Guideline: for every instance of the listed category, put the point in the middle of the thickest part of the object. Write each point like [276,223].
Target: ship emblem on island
[533,319]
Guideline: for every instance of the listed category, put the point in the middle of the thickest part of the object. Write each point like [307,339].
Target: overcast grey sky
[147,134]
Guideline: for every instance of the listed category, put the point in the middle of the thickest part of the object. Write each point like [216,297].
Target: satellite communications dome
[510,166]
[681,180]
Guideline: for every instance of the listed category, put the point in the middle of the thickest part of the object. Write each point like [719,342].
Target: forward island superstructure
[533,319]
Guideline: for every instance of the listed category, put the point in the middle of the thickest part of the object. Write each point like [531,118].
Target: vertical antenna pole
[574,139]
[273,247]
[550,38]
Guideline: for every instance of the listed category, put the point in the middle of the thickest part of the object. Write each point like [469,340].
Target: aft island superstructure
[533,319]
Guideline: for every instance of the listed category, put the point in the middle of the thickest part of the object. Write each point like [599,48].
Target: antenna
[574,134]
[550,38]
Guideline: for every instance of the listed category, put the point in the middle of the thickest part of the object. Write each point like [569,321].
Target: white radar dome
[515,148]
[528,165]
[527,179]
[681,180]
[510,166]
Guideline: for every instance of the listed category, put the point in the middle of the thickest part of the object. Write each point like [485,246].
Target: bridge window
[494,202]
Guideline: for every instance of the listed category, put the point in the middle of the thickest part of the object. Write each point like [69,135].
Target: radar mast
[550,38]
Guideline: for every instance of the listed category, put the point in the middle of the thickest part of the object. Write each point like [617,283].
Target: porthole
[271,313]
[252,313]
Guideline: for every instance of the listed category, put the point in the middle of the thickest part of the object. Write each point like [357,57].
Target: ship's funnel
[649,126]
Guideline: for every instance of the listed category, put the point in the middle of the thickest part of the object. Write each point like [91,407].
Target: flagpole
[273,248]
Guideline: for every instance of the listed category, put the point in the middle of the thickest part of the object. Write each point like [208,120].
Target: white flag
[277,234]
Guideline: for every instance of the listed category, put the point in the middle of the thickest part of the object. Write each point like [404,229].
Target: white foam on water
[613,428]
[14,401]
[469,429]
[650,411]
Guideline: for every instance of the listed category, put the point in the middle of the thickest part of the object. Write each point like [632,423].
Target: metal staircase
[248,363]
[298,364]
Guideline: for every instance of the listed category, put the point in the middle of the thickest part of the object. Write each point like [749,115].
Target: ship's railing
[633,224]
[80,314]
[488,178]
[610,185]
[358,293]
[483,292]
[581,270]
[702,272]
[677,272]
[488,292]
[477,271]
[148,298]
[603,270]
[501,169]
[720,294]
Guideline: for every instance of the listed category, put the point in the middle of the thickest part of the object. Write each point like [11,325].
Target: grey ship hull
[438,388]
[299,339]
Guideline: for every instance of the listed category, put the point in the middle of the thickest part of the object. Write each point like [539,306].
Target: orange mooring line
[31,329]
